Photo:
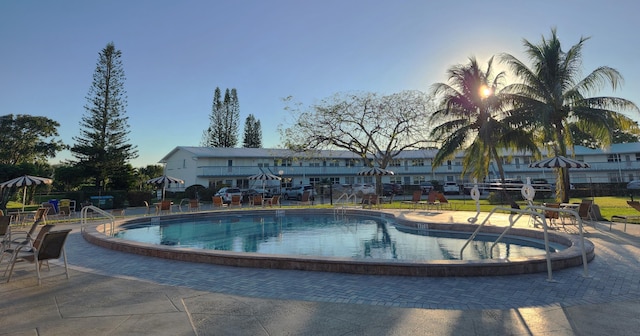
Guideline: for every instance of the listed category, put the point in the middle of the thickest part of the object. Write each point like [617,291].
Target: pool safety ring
[528,192]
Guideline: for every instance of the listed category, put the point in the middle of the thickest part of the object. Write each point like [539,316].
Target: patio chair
[443,202]
[551,214]
[257,200]
[416,199]
[236,200]
[584,210]
[218,202]
[194,205]
[432,200]
[5,230]
[50,247]
[30,241]
[164,206]
[306,198]
[273,200]
[370,200]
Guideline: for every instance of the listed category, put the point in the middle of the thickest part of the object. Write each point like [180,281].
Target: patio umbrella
[164,180]
[264,177]
[375,171]
[25,181]
[559,162]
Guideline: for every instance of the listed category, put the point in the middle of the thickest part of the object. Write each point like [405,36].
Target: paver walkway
[116,293]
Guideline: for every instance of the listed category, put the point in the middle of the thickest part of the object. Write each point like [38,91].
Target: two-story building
[232,166]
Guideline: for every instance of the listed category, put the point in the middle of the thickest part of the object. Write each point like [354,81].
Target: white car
[363,189]
[450,188]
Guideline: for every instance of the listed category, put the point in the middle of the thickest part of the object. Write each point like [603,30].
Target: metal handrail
[85,210]
[531,210]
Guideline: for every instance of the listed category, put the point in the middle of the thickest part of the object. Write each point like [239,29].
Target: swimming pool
[100,234]
[325,235]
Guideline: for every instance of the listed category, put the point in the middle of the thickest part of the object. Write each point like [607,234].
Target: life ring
[528,192]
[475,193]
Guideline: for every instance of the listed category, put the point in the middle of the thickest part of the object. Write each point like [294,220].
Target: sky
[175,53]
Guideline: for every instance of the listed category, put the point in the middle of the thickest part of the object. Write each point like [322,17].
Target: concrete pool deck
[113,293]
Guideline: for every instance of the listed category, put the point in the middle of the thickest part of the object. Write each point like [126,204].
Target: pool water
[324,235]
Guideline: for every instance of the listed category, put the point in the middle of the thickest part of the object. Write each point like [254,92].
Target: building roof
[271,153]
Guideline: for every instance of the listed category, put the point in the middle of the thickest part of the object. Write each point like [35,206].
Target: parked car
[227,192]
[392,188]
[633,184]
[426,187]
[296,192]
[362,189]
[450,187]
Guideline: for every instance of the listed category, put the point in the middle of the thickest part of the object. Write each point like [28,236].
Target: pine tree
[224,118]
[252,133]
[102,147]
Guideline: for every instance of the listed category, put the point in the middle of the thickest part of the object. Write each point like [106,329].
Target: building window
[314,164]
[395,179]
[395,163]
[418,179]
[334,163]
[417,163]
[350,163]
[314,180]
[613,158]
[283,162]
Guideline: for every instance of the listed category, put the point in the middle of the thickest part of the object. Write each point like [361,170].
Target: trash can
[102,202]
[54,202]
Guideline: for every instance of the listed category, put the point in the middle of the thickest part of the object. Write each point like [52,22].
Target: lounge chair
[50,247]
[305,198]
[236,200]
[432,200]
[218,202]
[275,200]
[164,206]
[443,202]
[257,200]
[416,199]
[370,200]
[194,205]
[626,218]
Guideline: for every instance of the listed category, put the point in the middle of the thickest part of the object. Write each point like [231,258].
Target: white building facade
[212,167]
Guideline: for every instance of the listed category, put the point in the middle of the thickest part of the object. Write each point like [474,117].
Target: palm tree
[470,118]
[552,98]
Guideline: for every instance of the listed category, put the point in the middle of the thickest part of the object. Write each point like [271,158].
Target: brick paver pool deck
[113,293]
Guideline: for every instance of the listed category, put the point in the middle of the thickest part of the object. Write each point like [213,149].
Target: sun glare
[485,91]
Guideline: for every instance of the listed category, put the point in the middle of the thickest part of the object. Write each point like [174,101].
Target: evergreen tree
[225,116]
[102,147]
[212,135]
[252,133]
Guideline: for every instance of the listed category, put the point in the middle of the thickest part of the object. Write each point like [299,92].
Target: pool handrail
[532,211]
[83,217]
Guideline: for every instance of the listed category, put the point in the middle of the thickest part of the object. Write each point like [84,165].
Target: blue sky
[175,53]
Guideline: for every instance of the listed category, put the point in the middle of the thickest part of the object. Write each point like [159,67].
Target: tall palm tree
[470,119]
[551,97]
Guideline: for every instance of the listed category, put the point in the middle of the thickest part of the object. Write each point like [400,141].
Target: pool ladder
[340,204]
[535,212]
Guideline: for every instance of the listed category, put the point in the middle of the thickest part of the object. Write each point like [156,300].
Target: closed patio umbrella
[25,181]
[164,180]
